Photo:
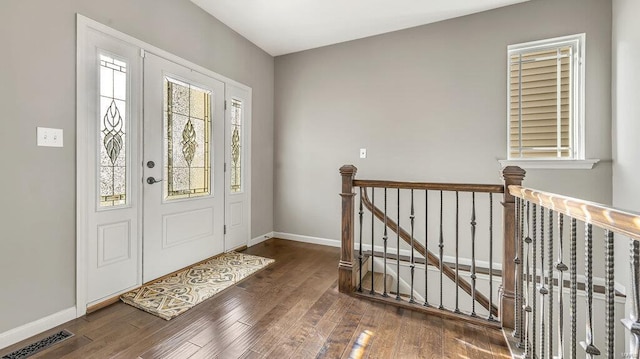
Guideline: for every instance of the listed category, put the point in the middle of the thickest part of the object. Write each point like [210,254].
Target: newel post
[346,279]
[512,175]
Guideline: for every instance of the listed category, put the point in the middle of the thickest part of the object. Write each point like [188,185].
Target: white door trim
[84,25]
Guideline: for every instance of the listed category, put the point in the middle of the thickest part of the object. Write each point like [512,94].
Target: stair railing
[548,277]
[351,266]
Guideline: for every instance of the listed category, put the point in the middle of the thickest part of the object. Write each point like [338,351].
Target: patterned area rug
[171,296]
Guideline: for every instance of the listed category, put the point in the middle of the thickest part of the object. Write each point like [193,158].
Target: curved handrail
[616,220]
[432,258]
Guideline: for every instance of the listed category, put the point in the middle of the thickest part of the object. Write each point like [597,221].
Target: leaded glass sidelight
[236,146]
[113,130]
[187,128]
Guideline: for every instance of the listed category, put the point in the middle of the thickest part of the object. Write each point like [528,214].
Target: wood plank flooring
[292,309]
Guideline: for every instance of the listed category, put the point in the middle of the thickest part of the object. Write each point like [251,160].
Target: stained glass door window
[236,146]
[113,132]
[187,128]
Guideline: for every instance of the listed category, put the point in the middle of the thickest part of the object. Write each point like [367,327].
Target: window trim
[561,164]
[577,123]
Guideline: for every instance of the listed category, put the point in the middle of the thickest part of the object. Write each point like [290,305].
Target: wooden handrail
[460,187]
[616,220]
[432,258]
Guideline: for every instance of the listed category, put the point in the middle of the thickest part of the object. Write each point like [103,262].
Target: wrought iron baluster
[385,238]
[550,297]
[561,267]
[426,246]
[398,252]
[473,254]
[441,246]
[360,213]
[457,309]
[490,318]
[526,306]
[373,248]
[413,265]
[633,322]
[573,271]
[609,293]
[543,287]
[534,328]
[588,345]
[518,277]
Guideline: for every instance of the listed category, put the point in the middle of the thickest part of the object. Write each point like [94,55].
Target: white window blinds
[542,101]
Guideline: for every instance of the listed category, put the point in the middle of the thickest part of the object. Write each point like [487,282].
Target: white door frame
[84,25]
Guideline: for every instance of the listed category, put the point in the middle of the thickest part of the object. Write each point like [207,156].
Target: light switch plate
[50,137]
[363,153]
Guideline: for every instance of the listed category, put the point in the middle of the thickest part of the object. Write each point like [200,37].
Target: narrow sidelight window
[236,146]
[113,132]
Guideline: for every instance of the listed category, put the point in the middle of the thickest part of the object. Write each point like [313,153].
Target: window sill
[551,164]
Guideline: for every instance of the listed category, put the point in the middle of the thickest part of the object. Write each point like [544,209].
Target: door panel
[237,186]
[183,167]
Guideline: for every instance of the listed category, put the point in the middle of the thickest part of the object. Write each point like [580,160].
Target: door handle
[151,180]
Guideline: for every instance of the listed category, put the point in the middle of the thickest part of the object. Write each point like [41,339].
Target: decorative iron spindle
[534,297]
[385,238]
[518,277]
[398,252]
[373,205]
[426,246]
[360,213]
[473,254]
[457,310]
[561,267]
[609,293]
[441,246]
[526,305]
[543,287]
[588,345]
[550,297]
[413,264]
[633,322]
[490,318]
[573,272]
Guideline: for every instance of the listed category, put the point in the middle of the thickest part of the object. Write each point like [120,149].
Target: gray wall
[626,116]
[626,107]
[429,104]
[37,88]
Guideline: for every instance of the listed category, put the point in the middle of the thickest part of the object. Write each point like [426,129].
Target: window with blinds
[544,94]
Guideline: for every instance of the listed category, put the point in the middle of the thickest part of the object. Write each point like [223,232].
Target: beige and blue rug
[171,296]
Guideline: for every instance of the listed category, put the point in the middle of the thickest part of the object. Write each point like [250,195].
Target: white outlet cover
[363,153]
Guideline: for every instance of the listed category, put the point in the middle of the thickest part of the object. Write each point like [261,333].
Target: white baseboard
[308,239]
[23,332]
[259,239]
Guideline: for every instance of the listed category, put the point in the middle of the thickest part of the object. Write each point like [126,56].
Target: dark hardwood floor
[292,309]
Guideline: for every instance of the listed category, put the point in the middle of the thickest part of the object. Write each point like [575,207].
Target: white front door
[183,160]
[152,141]
[238,125]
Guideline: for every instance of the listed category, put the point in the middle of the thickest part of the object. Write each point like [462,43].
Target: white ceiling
[283,26]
